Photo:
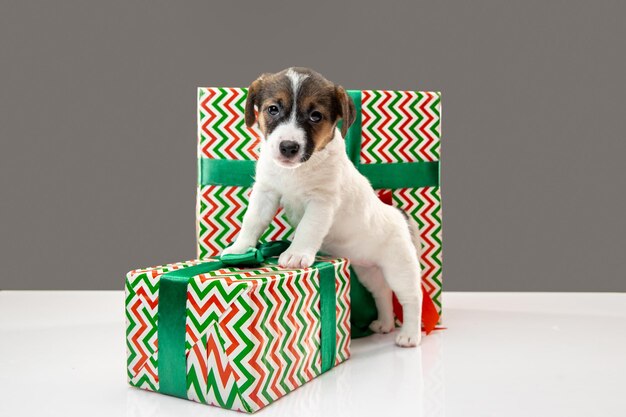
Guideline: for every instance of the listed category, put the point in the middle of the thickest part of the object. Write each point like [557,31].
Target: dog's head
[297,110]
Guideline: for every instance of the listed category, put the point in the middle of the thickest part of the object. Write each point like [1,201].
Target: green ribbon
[172,312]
[393,175]
[328,313]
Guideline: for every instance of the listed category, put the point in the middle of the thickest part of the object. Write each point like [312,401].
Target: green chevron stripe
[287,329]
[343,311]
[235,392]
[203,138]
[317,320]
[245,138]
[265,328]
[413,149]
[297,285]
[202,229]
[143,382]
[218,107]
[143,277]
[436,215]
[271,231]
[221,214]
[193,379]
[434,129]
[373,126]
[238,327]
[395,122]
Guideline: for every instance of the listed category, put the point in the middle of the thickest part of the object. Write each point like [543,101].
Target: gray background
[97,127]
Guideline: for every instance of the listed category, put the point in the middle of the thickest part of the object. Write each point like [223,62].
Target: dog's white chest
[294,207]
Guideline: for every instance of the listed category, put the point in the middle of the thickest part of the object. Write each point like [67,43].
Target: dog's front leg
[310,234]
[261,210]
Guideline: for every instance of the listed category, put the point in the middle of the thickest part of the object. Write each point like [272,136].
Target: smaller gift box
[239,332]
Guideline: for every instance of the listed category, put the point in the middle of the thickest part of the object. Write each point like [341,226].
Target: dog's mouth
[289,163]
[292,162]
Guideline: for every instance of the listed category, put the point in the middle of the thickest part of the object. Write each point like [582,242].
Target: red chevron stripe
[141,292]
[291,342]
[143,355]
[346,321]
[384,148]
[211,301]
[233,210]
[429,246]
[212,229]
[280,226]
[429,139]
[192,334]
[253,328]
[197,351]
[226,329]
[307,277]
[365,120]
[230,122]
[205,127]
[252,149]
[224,369]
[279,334]
[410,204]
[405,133]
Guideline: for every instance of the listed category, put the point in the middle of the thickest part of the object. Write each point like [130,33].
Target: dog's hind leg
[372,279]
[402,274]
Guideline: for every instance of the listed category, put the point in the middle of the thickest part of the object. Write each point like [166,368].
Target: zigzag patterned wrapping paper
[397,126]
[252,334]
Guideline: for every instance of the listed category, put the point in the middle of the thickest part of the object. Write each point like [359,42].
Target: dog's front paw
[408,339]
[294,259]
[237,248]
[382,326]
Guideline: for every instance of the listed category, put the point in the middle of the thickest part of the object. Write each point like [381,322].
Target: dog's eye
[273,110]
[315,116]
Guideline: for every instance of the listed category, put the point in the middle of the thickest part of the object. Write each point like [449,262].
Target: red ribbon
[430,316]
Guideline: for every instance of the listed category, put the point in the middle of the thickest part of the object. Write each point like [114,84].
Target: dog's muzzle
[289,148]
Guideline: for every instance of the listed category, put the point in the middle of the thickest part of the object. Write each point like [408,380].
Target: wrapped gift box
[395,142]
[234,337]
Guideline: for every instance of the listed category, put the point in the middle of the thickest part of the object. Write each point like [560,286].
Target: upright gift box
[235,337]
[394,141]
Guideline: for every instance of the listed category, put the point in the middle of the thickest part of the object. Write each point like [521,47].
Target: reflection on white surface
[63,354]
[361,386]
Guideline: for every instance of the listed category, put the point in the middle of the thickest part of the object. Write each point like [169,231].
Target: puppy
[303,167]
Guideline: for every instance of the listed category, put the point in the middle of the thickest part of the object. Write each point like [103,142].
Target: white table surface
[503,354]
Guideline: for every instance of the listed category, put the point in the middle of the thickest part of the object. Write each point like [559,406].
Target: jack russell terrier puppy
[303,166]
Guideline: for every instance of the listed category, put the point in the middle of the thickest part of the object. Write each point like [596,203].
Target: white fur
[335,209]
[289,130]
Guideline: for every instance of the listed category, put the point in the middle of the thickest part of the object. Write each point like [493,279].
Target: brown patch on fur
[266,90]
[262,123]
[316,96]
[348,111]
[323,134]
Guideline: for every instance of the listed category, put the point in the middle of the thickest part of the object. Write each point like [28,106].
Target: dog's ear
[253,99]
[347,111]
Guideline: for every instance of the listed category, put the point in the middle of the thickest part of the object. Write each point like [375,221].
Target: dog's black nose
[289,148]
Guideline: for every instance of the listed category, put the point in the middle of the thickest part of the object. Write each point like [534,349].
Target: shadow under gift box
[245,337]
